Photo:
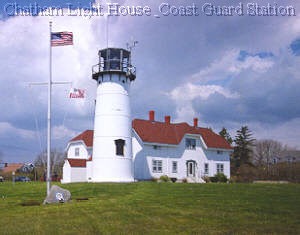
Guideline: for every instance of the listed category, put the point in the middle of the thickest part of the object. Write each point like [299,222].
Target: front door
[191,169]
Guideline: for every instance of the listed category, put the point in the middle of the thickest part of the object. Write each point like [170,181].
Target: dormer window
[120,147]
[190,143]
[156,147]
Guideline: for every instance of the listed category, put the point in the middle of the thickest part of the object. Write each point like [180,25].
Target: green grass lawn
[153,208]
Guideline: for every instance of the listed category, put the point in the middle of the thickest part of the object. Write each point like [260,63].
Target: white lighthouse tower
[112,147]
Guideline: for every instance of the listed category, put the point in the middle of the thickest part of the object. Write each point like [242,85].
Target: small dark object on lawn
[173,179]
[82,199]
[30,203]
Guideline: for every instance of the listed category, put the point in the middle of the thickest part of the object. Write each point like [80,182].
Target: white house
[177,150]
[79,152]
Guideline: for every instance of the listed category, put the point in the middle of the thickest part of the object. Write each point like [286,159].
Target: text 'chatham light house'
[112,143]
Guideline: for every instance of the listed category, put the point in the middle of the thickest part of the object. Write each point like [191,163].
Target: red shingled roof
[12,167]
[77,162]
[168,133]
[165,133]
[86,137]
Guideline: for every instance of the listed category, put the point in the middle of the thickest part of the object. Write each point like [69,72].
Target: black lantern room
[114,60]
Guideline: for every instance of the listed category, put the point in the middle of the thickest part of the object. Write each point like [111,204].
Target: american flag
[61,39]
[77,93]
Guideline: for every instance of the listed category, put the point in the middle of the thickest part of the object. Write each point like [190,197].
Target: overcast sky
[226,70]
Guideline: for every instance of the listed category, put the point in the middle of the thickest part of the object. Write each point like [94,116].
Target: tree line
[259,159]
[56,162]
[37,170]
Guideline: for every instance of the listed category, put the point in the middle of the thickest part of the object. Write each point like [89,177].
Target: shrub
[219,177]
[222,178]
[184,180]
[173,179]
[164,178]
[233,179]
[246,173]
[287,171]
[213,179]
[206,179]
[154,179]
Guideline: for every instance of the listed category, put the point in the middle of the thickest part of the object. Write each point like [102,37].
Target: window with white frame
[156,166]
[190,143]
[220,168]
[206,171]
[77,152]
[174,166]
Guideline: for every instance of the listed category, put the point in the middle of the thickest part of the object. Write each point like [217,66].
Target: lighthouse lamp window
[120,147]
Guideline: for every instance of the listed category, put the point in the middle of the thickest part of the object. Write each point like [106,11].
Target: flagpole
[49,114]
[107,30]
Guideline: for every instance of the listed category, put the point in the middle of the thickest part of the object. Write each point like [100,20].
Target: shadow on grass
[30,203]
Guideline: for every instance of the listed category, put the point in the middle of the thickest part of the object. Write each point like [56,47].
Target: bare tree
[267,169]
[56,161]
[266,150]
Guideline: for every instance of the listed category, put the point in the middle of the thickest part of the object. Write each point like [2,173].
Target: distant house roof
[165,133]
[169,133]
[77,162]
[10,167]
[290,156]
[86,137]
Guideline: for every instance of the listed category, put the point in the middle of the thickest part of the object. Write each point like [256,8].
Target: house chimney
[168,119]
[195,122]
[151,115]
